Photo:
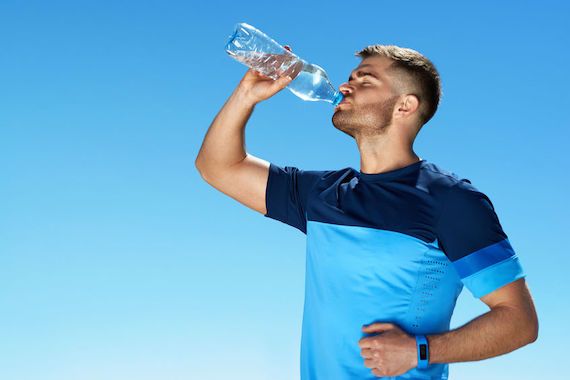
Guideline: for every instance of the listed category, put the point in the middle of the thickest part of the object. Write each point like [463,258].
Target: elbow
[533,325]
[534,332]
[197,165]
[201,172]
[531,329]
[524,325]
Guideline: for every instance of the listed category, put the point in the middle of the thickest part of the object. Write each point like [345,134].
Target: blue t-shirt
[391,247]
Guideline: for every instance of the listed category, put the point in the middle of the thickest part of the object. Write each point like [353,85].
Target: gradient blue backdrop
[119,262]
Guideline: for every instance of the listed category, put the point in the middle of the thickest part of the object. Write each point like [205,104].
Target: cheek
[371,96]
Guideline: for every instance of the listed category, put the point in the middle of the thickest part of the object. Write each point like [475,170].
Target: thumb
[378,327]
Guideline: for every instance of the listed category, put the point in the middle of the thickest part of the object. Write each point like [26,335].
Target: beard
[366,120]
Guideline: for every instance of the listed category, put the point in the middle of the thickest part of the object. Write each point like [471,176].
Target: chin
[344,128]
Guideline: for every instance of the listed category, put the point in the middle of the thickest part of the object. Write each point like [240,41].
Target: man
[389,247]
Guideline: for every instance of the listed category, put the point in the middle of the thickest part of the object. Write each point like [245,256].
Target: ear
[407,105]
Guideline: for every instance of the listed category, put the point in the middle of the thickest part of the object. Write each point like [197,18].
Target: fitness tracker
[423,351]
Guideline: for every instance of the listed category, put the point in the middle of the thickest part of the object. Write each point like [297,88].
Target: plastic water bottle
[255,49]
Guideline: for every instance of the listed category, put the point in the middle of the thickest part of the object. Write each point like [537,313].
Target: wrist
[243,96]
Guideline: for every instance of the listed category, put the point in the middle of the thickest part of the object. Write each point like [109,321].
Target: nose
[345,88]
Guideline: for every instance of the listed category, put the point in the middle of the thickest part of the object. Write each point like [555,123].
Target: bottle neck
[338,96]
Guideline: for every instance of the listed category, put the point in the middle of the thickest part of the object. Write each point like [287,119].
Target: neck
[384,153]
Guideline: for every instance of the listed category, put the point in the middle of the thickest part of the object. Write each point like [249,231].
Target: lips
[341,103]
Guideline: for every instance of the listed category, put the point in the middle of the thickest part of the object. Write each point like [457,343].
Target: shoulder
[450,188]
[298,173]
[336,174]
[440,175]
[300,180]
[459,200]
[439,181]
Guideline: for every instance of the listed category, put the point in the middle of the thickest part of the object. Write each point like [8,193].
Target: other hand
[390,353]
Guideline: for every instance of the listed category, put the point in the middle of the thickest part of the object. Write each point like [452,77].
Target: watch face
[423,352]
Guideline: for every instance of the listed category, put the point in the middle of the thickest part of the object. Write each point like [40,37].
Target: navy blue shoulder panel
[407,200]
[286,194]
[468,222]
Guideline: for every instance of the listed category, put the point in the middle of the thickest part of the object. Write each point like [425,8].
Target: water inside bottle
[270,65]
[313,84]
[309,84]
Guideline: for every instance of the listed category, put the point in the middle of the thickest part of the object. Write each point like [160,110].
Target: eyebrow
[368,72]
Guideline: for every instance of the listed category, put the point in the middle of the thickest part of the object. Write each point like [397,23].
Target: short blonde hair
[411,71]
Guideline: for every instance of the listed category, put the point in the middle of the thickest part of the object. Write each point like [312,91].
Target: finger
[281,82]
[367,353]
[286,80]
[368,363]
[378,372]
[251,71]
[294,69]
[378,327]
[261,75]
[366,343]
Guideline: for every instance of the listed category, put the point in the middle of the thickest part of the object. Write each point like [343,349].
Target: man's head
[391,86]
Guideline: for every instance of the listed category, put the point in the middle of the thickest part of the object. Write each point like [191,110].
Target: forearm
[497,332]
[224,143]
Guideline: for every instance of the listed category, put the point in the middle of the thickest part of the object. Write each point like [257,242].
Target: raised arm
[222,160]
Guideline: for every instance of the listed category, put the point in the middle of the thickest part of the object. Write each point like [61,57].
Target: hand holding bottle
[269,61]
[259,87]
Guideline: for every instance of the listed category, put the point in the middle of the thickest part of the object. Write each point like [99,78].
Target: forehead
[376,64]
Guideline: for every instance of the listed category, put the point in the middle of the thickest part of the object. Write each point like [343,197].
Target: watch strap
[423,351]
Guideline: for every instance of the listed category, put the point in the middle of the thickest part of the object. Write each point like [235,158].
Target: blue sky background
[117,261]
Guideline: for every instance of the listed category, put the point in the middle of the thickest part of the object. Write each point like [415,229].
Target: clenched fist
[390,353]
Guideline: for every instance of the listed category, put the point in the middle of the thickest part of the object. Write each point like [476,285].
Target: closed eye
[363,74]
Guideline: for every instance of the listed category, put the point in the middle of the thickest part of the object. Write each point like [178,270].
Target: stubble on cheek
[366,120]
